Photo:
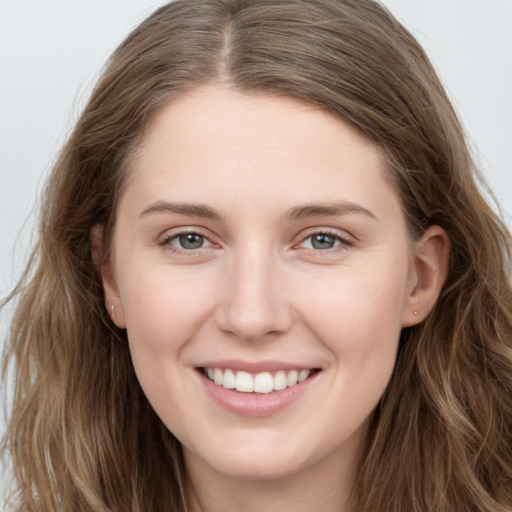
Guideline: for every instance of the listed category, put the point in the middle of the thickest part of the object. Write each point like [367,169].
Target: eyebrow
[189,209]
[331,209]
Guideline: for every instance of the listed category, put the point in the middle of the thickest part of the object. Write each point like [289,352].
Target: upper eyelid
[344,241]
[172,233]
[334,232]
[169,235]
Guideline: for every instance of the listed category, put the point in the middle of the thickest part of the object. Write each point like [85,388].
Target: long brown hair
[82,436]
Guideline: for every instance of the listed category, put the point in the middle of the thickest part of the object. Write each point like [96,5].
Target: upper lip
[254,366]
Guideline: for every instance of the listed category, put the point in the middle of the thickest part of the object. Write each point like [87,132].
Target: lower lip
[256,404]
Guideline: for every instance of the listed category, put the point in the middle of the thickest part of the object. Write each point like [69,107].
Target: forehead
[219,141]
[217,113]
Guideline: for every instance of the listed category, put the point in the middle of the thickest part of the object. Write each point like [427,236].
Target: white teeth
[229,381]
[217,376]
[280,381]
[291,379]
[263,383]
[303,375]
[260,383]
[244,382]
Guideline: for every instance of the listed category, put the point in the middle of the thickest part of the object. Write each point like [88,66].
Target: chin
[260,468]
[255,462]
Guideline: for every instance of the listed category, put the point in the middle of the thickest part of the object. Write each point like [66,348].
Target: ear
[104,268]
[430,267]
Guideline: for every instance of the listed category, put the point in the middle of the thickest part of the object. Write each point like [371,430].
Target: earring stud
[415,312]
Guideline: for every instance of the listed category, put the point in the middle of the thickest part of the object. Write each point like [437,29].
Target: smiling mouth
[265,382]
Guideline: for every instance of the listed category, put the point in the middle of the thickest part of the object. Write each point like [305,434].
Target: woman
[266,279]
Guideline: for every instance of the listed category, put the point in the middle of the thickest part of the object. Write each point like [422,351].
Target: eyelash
[166,242]
[343,242]
[339,241]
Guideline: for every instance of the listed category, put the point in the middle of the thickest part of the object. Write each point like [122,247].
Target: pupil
[322,241]
[191,241]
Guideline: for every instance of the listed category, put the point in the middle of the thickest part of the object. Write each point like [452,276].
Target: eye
[322,241]
[186,241]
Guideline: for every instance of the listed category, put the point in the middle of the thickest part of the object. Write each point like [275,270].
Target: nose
[253,304]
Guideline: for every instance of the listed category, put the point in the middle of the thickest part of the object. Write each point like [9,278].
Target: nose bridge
[254,303]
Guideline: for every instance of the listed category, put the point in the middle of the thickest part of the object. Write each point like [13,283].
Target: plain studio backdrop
[51,52]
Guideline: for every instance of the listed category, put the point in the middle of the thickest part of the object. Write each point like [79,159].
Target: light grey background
[52,50]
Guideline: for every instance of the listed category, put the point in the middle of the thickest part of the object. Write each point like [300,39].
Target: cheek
[358,309]
[363,340]
[163,309]
[358,318]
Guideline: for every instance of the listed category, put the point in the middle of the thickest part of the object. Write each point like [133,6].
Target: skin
[258,289]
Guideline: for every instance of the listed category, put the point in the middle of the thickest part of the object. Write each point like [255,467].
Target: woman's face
[257,244]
